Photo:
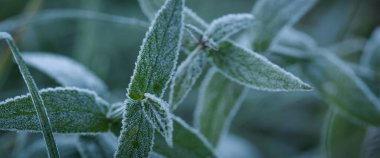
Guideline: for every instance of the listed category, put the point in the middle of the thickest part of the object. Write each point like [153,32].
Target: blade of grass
[36,97]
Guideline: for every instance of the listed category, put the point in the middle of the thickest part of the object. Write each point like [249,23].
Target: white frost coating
[186,76]
[194,32]
[65,71]
[228,25]
[253,70]
[71,110]
[159,52]
[6,36]
[157,112]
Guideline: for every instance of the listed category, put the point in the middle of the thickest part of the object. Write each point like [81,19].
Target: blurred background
[269,124]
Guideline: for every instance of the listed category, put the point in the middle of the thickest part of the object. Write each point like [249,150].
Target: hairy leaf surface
[159,52]
[218,101]
[136,138]
[228,25]
[272,16]
[71,110]
[187,143]
[157,112]
[65,71]
[253,70]
[186,76]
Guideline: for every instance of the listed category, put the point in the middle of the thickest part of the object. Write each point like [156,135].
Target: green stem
[36,97]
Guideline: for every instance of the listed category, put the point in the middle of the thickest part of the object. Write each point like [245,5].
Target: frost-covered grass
[240,66]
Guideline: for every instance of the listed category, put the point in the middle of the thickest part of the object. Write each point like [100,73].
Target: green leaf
[36,98]
[65,71]
[187,143]
[371,145]
[341,88]
[218,101]
[228,25]
[371,53]
[157,112]
[71,110]
[272,16]
[151,7]
[348,46]
[159,52]
[136,138]
[344,138]
[253,70]
[97,146]
[186,76]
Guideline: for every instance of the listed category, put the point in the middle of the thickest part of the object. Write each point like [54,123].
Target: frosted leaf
[97,146]
[348,46]
[36,148]
[371,52]
[159,52]
[294,43]
[36,98]
[65,71]
[218,101]
[253,70]
[194,32]
[151,7]
[158,114]
[71,110]
[341,88]
[343,138]
[272,16]
[228,25]
[186,76]
[187,142]
[137,135]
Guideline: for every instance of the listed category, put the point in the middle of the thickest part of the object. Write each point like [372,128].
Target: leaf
[348,46]
[344,138]
[71,110]
[136,138]
[371,145]
[341,88]
[65,71]
[272,16]
[159,52]
[36,98]
[253,70]
[151,7]
[157,112]
[228,25]
[97,146]
[370,58]
[186,76]
[187,143]
[218,101]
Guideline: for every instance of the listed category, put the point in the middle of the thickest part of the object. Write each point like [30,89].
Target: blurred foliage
[271,124]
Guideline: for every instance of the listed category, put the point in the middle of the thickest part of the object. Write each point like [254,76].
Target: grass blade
[71,110]
[218,101]
[159,52]
[253,70]
[36,97]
